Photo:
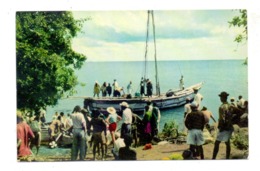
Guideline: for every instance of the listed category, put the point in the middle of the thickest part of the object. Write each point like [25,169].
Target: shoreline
[161,151]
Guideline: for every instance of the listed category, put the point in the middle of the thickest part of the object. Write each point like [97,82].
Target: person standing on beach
[109,89]
[35,125]
[119,142]
[195,122]
[147,125]
[126,118]
[54,128]
[43,117]
[98,134]
[79,132]
[208,115]
[112,121]
[24,133]
[225,125]
[187,108]
[157,115]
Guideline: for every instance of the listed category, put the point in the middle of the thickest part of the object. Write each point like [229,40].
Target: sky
[120,35]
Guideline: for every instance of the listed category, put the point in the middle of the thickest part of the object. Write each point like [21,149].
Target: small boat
[62,139]
[170,99]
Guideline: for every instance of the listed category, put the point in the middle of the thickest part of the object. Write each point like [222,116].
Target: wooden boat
[61,140]
[169,99]
[137,104]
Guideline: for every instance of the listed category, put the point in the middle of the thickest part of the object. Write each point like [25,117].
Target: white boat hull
[137,104]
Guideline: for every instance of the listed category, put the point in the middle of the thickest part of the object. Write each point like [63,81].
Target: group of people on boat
[196,118]
[106,89]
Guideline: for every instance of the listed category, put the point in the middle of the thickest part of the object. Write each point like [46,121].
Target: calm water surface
[218,75]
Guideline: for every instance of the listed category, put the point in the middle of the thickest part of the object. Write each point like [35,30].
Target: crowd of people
[196,118]
[83,123]
[114,90]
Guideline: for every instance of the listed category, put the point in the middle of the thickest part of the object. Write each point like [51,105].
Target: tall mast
[155,58]
[146,47]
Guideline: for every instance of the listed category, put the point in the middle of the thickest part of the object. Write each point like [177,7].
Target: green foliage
[240,141]
[170,129]
[176,156]
[240,21]
[45,59]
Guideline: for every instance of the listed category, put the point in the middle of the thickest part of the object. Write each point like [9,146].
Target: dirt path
[157,152]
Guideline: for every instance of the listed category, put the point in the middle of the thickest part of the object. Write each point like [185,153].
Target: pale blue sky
[180,35]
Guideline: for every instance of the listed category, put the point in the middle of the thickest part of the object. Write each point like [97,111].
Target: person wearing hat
[112,121]
[126,119]
[198,97]
[187,110]
[195,122]
[225,125]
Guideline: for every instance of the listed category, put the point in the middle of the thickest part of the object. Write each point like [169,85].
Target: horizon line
[170,60]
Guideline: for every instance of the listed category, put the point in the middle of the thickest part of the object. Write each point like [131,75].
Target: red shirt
[24,132]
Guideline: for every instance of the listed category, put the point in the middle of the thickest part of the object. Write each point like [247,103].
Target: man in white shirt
[126,119]
[241,102]
[119,142]
[79,130]
[115,86]
[187,108]
[198,98]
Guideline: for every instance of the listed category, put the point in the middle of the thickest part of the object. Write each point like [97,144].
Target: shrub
[240,141]
[170,129]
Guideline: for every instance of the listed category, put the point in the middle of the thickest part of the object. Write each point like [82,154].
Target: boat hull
[137,104]
[64,140]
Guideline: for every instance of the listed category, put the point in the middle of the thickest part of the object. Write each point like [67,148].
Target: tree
[240,21]
[45,59]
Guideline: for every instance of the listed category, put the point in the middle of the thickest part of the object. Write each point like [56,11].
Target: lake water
[218,75]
